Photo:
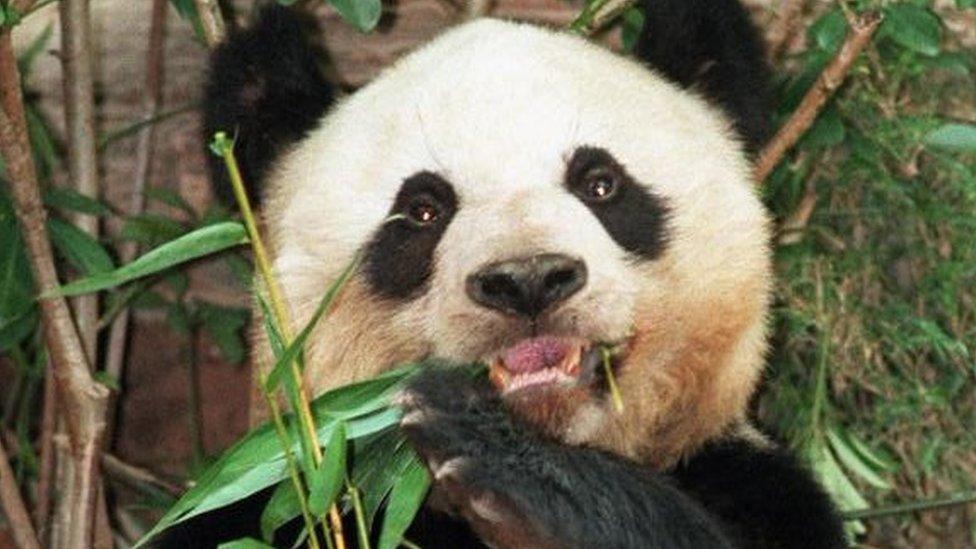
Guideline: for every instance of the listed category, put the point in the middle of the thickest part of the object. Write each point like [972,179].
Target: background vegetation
[872,375]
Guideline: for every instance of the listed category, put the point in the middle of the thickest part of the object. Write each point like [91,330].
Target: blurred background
[872,374]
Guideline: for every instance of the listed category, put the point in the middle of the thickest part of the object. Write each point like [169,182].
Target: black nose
[527,286]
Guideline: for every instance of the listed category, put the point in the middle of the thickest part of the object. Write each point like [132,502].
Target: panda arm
[516,489]
[763,496]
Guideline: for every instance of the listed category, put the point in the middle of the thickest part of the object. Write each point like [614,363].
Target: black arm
[517,489]
[764,496]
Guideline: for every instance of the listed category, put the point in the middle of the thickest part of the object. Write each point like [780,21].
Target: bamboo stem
[214,30]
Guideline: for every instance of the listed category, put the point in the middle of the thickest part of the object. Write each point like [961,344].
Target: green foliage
[877,291]
[201,242]
[362,14]
[953,136]
[258,460]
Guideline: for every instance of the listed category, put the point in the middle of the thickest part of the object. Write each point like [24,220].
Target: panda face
[521,196]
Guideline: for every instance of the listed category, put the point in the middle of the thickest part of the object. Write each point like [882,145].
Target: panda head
[520,197]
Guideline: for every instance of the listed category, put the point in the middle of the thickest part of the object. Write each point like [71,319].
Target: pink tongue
[535,354]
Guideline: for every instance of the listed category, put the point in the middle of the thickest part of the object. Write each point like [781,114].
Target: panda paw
[478,457]
[451,418]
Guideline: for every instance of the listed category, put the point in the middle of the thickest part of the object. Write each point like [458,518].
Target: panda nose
[527,286]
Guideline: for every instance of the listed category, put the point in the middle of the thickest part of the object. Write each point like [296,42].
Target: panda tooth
[498,374]
[571,363]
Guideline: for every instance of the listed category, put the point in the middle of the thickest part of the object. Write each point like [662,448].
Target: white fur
[497,108]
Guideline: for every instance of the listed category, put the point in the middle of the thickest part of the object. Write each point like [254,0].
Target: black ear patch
[266,90]
[712,46]
[636,218]
[400,256]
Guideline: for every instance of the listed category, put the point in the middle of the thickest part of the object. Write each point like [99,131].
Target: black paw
[451,419]
[475,453]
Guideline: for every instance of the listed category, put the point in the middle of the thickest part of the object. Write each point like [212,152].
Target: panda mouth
[549,361]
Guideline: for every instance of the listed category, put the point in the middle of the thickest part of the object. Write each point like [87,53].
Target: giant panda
[520,197]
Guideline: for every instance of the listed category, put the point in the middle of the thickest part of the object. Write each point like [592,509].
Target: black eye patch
[399,258]
[636,218]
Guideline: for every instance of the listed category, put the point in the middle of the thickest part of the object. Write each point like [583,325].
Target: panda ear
[266,90]
[713,47]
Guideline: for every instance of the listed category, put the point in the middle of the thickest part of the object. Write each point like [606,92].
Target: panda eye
[599,185]
[423,212]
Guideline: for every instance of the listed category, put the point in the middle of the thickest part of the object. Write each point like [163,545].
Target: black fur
[544,494]
[636,218]
[712,46]
[764,496]
[266,90]
[400,256]
[732,494]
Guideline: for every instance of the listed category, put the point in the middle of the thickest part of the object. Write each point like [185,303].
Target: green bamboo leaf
[188,10]
[833,479]
[171,198]
[257,461]
[193,245]
[280,509]
[876,458]
[405,500]
[960,137]
[80,249]
[913,27]
[224,325]
[71,200]
[152,229]
[16,279]
[362,14]
[852,461]
[15,330]
[244,543]
[829,30]
[631,25]
[297,346]
[327,481]
[379,468]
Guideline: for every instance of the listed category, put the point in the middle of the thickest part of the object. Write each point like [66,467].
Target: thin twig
[79,117]
[14,508]
[84,401]
[214,30]
[136,477]
[964,498]
[862,29]
[118,334]
[115,468]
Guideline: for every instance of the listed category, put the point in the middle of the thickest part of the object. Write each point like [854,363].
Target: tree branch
[84,400]
[862,29]
[13,506]
[214,30]
[79,118]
